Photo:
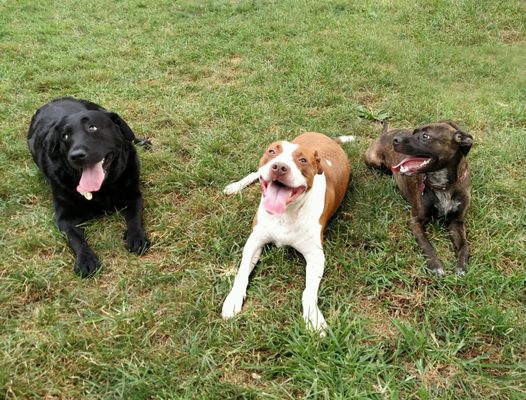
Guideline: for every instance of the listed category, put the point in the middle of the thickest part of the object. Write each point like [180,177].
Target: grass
[210,83]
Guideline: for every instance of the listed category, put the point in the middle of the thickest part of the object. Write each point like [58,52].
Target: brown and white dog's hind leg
[238,186]
[251,252]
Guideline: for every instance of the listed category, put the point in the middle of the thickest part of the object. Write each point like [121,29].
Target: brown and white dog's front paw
[314,320]
[233,188]
[236,187]
[233,304]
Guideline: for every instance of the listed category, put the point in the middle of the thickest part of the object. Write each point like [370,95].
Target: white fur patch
[446,204]
[438,178]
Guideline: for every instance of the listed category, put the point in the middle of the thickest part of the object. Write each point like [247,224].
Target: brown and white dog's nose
[279,168]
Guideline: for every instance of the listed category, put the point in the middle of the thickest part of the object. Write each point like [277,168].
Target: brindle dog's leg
[418,228]
[457,230]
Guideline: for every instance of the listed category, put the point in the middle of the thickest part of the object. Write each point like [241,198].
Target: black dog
[431,170]
[87,156]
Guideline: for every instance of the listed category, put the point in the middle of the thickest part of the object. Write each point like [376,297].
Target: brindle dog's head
[432,147]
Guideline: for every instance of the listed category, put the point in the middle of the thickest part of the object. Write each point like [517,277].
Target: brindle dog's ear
[123,126]
[318,162]
[452,124]
[465,140]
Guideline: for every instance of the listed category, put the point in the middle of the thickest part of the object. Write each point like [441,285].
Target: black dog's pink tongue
[91,179]
[275,199]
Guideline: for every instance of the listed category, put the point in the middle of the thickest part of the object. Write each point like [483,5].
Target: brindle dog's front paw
[136,242]
[86,264]
[436,268]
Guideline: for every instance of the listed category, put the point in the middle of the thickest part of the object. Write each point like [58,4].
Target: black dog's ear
[56,137]
[123,126]
[465,140]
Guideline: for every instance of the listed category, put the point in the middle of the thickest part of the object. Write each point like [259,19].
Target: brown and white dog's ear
[318,162]
[465,140]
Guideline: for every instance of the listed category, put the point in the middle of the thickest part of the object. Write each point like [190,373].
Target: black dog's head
[89,141]
[432,147]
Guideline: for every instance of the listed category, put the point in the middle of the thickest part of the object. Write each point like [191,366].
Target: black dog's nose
[279,168]
[77,155]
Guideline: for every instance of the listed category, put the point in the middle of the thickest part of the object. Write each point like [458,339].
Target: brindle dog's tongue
[91,179]
[410,164]
[275,199]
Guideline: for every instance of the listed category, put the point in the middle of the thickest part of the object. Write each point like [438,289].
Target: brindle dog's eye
[271,151]
[92,128]
[425,136]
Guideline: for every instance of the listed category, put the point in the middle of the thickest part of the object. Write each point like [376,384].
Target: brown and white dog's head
[286,172]
[431,147]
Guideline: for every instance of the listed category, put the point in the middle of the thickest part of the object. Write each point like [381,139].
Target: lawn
[211,83]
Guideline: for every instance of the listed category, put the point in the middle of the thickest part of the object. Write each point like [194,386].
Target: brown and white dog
[303,184]
[430,168]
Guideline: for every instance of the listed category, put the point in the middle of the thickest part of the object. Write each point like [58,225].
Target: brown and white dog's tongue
[91,179]
[275,198]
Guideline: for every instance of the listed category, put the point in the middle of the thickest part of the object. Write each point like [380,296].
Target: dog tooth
[87,195]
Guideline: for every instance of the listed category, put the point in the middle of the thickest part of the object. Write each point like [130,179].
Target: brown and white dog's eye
[303,160]
[271,151]
[92,128]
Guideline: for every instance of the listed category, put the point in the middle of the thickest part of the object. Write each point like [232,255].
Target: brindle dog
[430,168]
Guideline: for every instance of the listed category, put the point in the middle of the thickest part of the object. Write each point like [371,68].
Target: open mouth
[277,195]
[92,177]
[412,165]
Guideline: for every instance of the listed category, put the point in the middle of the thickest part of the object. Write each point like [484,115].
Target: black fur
[58,130]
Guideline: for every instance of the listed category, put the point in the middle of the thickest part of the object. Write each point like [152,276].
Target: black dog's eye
[65,136]
[425,136]
[92,128]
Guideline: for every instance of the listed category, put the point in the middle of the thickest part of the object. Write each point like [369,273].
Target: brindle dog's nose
[279,168]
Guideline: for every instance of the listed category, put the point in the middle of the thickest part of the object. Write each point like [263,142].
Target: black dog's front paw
[137,242]
[87,264]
